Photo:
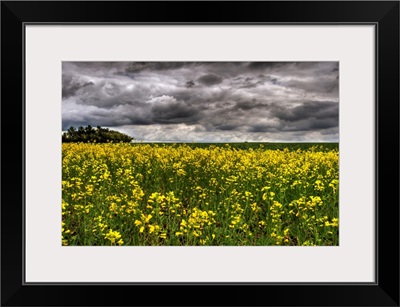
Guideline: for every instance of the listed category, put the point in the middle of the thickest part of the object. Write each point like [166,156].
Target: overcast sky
[205,101]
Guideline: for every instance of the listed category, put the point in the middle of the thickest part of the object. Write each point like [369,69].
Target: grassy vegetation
[200,194]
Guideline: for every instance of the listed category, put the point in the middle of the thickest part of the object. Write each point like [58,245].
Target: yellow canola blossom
[150,194]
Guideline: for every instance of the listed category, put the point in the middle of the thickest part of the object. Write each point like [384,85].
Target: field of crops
[182,194]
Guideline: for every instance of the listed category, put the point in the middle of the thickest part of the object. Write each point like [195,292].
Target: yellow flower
[113,236]
[151,228]
[148,218]
[181,172]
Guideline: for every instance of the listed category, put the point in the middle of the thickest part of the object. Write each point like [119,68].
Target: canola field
[212,195]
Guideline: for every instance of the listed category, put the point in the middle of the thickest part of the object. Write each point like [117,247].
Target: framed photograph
[200,153]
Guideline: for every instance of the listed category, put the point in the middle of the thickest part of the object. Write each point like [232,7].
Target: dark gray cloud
[311,109]
[190,84]
[265,65]
[210,79]
[205,101]
[135,67]
[72,85]
[167,110]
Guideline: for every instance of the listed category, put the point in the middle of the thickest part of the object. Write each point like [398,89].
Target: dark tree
[94,135]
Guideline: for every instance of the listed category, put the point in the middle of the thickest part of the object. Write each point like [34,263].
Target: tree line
[94,135]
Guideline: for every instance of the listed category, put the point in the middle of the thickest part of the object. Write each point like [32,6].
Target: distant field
[254,194]
[253,145]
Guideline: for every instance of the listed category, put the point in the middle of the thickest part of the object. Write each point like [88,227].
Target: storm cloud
[210,79]
[205,101]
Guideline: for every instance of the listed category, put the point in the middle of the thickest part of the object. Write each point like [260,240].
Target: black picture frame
[383,14]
